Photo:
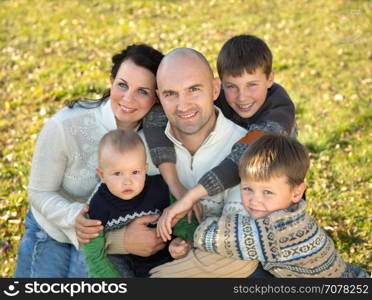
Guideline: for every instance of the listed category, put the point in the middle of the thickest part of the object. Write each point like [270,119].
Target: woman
[65,158]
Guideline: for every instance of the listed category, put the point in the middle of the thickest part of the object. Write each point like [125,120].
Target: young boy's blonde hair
[120,140]
[275,155]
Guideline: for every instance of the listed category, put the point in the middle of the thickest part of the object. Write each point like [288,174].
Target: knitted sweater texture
[288,243]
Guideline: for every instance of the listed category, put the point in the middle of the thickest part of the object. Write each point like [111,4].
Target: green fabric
[183,229]
[95,257]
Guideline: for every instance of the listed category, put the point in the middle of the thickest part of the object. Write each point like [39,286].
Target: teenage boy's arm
[278,115]
[226,174]
[162,150]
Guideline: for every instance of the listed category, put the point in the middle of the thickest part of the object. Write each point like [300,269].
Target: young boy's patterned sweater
[288,243]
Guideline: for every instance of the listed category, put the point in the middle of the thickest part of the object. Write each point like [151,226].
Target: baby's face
[246,93]
[261,198]
[124,173]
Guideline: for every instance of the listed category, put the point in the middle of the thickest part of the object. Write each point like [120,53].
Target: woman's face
[132,94]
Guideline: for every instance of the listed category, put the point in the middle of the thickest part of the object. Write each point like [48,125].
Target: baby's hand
[178,248]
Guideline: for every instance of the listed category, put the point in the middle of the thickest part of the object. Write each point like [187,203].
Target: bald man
[187,90]
[202,137]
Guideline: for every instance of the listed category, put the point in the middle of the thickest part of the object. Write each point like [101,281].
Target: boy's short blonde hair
[120,140]
[275,155]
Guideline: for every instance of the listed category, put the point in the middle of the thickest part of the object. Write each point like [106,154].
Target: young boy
[277,230]
[250,98]
[126,193]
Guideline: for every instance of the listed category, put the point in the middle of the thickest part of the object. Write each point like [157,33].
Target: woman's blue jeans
[41,256]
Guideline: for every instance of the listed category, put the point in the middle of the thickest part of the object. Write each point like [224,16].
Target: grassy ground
[51,51]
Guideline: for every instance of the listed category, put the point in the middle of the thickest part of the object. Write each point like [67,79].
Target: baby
[126,193]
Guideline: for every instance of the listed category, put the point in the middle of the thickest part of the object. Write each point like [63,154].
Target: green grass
[52,51]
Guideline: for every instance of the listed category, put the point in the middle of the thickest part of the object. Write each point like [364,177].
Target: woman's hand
[85,228]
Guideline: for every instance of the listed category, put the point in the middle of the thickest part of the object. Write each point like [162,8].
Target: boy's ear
[271,79]
[146,167]
[216,88]
[297,192]
[100,173]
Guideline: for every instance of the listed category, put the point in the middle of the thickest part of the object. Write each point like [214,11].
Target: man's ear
[216,88]
[271,79]
[99,171]
[297,192]
[146,167]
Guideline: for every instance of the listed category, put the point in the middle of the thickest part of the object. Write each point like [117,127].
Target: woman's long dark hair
[142,55]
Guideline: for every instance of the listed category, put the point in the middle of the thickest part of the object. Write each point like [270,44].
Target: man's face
[246,93]
[187,91]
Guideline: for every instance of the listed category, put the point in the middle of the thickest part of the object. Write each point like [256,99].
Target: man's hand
[139,239]
[85,228]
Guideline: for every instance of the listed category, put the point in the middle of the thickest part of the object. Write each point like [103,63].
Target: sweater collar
[221,126]
[121,204]
[292,211]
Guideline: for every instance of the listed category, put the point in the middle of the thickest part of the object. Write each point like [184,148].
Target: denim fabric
[40,256]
